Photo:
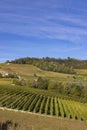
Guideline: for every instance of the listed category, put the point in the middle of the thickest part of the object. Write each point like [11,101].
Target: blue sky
[40,28]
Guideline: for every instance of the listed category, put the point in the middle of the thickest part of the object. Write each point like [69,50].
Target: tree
[42,83]
[21,82]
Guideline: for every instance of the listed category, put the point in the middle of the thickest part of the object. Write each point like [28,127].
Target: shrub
[42,83]
[21,82]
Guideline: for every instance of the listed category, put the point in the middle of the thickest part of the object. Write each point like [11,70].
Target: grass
[29,121]
[82,71]
[28,71]
[5,82]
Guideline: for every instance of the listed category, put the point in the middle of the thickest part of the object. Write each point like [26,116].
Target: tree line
[69,62]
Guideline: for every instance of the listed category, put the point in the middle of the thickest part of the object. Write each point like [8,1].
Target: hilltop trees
[53,64]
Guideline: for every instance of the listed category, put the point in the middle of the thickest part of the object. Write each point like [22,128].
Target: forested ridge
[54,64]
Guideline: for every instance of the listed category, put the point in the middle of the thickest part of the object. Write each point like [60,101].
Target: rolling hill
[49,102]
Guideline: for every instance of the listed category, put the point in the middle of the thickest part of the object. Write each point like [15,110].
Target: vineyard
[22,99]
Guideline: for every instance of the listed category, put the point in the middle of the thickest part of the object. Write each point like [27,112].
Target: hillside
[54,64]
[56,81]
[54,95]
[20,98]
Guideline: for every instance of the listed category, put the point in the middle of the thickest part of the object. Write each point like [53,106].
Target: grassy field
[82,71]
[28,71]
[36,122]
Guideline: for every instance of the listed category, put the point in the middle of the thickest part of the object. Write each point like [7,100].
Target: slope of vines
[17,98]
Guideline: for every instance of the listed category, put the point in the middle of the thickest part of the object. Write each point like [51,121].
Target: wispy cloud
[64,20]
[47,25]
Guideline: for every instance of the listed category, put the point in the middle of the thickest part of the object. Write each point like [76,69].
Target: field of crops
[22,99]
